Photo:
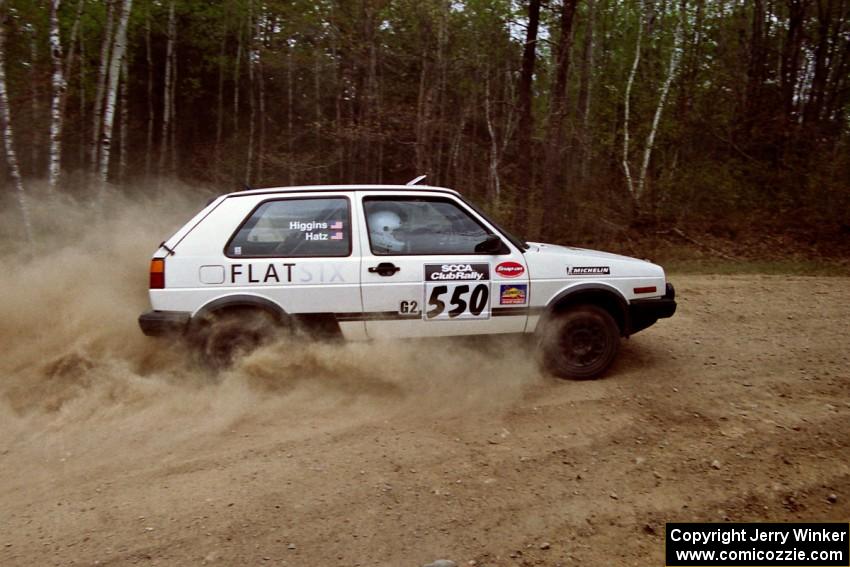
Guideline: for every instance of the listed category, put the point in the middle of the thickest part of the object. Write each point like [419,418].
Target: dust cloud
[74,357]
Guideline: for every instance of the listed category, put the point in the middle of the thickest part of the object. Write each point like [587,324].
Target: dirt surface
[115,450]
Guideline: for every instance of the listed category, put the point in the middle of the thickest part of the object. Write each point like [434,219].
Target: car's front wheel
[580,343]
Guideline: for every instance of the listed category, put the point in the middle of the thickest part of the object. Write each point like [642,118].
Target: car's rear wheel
[224,337]
[580,343]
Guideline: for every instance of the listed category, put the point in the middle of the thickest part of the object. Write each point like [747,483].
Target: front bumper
[645,312]
[158,323]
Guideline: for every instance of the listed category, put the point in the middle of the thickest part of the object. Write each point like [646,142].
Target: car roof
[337,188]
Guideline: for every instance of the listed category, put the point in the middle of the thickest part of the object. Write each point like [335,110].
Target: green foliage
[381,90]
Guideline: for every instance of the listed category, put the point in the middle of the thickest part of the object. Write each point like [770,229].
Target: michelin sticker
[458,291]
[589,270]
[513,294]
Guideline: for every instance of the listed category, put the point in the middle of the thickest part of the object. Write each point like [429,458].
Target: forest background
[718,125]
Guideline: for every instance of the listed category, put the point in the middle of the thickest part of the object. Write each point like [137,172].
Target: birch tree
[627,103]
[672,66]
[111,92]
[58,94]
[9,137]
[97,112]
[497,147]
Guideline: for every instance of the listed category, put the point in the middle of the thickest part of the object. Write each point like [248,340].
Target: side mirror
[491,245]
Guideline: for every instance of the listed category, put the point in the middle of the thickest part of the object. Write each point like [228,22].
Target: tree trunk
[125,113]
[261,146]
[35,146]
[790,64]
[673,64]
[58,93]
[251,99]
[219,124]
[69,58]
[755,69]
[72,41]
[97,112]
[317,96]
[495,182]
[111,93]
[552,173]
[151,117]
[814,105]
[166,93]
[236,63]
[525,126]
[585,94]
[172,103]
[626,104]
[289,102]
[423,107]
[82,140]
[9,138]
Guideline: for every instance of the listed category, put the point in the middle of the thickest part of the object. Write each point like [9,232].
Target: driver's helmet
[383,225]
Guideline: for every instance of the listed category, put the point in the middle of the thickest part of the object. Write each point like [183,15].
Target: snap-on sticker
[510,269]
[513,294]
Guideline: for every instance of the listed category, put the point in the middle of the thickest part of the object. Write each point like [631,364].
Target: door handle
[384,269]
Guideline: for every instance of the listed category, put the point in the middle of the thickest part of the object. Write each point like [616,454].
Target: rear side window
[294,228]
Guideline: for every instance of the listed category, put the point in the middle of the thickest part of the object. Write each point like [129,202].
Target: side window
[409,226]
[294,228]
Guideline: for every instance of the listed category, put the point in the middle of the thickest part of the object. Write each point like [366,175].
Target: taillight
[157,273]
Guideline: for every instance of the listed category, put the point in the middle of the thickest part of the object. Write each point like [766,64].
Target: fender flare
[241,300]
[320,325]
[591,288]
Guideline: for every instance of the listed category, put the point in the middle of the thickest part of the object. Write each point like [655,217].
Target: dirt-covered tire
[220,339]
[580,343]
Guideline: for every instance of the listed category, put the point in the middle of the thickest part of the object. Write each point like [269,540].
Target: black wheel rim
[584,342]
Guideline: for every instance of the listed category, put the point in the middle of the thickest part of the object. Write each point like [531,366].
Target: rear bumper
[645,312]
[158,323]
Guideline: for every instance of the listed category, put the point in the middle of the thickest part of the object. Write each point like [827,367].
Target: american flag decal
[336,236]
[336,225]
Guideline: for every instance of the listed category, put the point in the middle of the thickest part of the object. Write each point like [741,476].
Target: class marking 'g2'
[457,291]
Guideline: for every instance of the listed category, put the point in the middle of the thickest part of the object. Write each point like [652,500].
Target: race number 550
[457,291]
[457,301]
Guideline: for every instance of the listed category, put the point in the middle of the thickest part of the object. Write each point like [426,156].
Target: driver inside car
[385,226]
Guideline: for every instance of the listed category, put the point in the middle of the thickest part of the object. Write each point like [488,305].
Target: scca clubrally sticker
[456,291]
[457,272]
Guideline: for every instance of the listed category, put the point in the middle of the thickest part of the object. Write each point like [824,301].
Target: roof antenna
[416,180]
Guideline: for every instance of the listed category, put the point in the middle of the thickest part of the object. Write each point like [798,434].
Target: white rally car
[380,261]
